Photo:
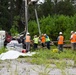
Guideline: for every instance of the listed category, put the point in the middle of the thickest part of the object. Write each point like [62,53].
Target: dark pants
[35,46]
[60,47]
[73,45]
[43,44]
[48,44]
[27,46]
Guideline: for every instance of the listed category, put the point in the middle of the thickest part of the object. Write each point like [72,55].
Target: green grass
[2,50]
[41,70]
[45,56]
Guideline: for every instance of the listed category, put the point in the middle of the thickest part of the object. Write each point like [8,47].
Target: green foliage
[6,14]
[65,8]
[2,50]
[52,25]
[45,9]
[33,28]
[61,60]
[56,7]
[4,17]
[14,29]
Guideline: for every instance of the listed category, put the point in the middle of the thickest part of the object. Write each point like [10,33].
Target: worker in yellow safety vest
[47,41]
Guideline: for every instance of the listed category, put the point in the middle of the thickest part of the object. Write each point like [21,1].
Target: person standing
[27,42]
[60,40]
[43,40]
[36,40]
[47,41]
[72,40]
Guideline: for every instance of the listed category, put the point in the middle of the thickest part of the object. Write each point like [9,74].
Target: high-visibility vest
[43,39]
[36,40]
[47,39]
[27,39]
[61,39]
[72,38]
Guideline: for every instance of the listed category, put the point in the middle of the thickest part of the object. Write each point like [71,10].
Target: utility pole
[26,16]
[37,21]
[36,14]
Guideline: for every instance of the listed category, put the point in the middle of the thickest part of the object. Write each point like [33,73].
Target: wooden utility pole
[37,21]
[34,3]
[26,16]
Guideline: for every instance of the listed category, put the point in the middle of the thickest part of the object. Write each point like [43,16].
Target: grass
[42,70]
[46,57]
[2,50]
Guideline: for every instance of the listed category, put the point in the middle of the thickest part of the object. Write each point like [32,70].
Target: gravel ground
[21,67]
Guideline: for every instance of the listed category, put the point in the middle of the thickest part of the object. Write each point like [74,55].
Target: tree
[65,8]
[4,14]
[46,8]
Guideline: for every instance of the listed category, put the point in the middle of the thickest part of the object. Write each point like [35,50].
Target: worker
[47,41]
[72,40]
[60,40]
[43,39]
[27,41]
[35,40]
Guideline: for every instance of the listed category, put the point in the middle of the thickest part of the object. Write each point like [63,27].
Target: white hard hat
[72,31]
[75,32]
[44,34]
[60,32]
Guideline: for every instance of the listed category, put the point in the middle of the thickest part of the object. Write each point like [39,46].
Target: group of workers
[45,41]
[72,40]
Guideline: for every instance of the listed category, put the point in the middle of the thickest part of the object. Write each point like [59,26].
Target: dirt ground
[21,67]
